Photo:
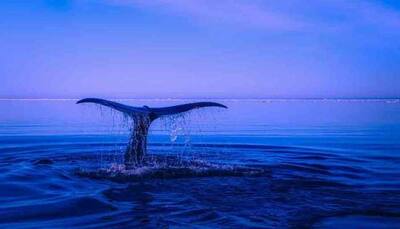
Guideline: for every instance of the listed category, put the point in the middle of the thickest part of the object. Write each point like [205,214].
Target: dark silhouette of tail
[143,117]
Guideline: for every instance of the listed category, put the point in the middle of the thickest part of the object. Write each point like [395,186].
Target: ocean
[262,163]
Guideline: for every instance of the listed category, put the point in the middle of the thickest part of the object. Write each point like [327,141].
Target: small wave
[381,220]
[49,211]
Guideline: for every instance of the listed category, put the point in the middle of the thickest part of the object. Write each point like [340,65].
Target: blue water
[260,164]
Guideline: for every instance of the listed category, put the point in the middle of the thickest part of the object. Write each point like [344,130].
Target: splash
[171,168]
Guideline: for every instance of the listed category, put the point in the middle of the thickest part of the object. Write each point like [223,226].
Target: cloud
[244,14]
[280,16]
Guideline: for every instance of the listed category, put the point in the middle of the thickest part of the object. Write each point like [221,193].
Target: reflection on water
[266,163]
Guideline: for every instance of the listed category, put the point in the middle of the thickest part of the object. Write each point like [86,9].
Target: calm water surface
[260,164]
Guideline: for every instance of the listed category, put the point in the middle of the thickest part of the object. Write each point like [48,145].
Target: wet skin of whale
[142,119]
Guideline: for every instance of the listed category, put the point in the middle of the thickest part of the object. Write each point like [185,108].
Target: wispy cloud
[281,16]
[242,14]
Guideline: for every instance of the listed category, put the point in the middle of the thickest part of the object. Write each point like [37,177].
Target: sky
[200,49]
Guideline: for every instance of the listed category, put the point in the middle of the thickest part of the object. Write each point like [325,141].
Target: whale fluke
[117,106]
[143,117]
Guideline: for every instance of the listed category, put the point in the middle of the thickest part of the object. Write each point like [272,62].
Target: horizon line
[206,98]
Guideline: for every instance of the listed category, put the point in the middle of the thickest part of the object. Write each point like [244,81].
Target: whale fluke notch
[143,117]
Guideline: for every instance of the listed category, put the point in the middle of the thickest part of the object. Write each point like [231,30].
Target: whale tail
[152,113]
[143,117]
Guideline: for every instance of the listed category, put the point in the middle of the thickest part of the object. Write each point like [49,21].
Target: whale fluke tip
[222,106]
[83,101]
[211,104]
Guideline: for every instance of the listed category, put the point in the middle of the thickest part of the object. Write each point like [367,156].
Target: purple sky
[199,48]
